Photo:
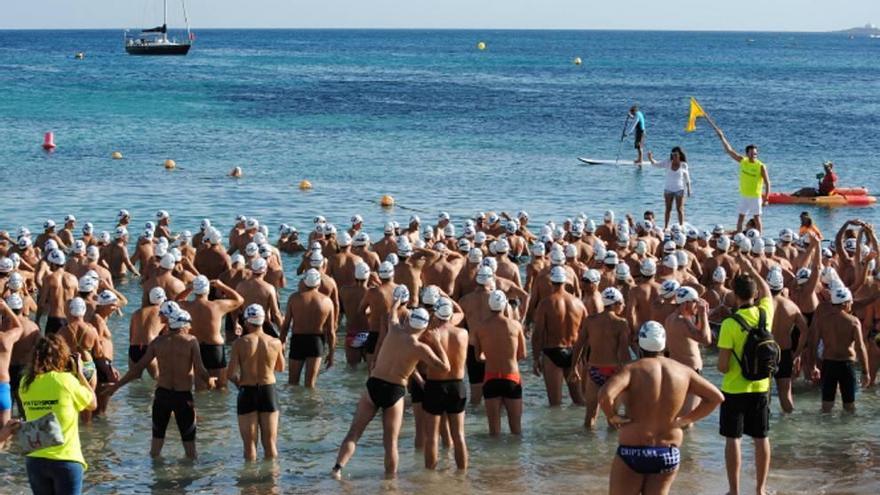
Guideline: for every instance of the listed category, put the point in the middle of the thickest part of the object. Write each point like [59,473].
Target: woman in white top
[678,180]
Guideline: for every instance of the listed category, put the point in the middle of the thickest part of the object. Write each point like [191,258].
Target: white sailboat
[155,41]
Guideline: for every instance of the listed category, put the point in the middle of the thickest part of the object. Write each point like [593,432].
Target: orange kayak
[850,191]
[836,199]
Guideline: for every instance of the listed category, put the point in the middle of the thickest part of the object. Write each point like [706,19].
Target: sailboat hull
[163,49]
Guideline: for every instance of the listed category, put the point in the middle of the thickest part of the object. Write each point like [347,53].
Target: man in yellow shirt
[746,406]
[753,178]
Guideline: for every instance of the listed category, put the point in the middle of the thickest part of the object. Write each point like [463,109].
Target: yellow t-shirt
[64,395]
[750,180]
[733,337]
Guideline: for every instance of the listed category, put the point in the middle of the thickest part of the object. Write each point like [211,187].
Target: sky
[725,15]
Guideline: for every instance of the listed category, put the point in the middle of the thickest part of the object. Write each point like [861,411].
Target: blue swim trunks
[5,396]
[650,460]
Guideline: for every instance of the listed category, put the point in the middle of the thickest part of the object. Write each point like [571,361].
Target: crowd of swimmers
[615,312]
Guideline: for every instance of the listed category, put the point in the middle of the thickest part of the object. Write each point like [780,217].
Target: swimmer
[207,316]
[310,320]
[11,332]
[178,357]
[397,360]
[650,434]
[787,327]
[357,326]
[376,305]
[687,328]
[143,327]
[253,362]
[558,319]
[499,341]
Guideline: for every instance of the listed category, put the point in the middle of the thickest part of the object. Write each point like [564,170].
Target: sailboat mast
[165,20]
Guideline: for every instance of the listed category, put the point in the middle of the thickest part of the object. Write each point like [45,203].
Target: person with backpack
[748,356]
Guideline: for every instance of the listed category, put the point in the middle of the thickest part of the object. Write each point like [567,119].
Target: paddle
[622,135]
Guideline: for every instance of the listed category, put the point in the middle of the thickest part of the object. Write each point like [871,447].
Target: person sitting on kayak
[827,184]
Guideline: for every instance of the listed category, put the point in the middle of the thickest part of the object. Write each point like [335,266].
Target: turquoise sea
[426,117]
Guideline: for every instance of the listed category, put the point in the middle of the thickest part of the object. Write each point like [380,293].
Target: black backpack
[761,354]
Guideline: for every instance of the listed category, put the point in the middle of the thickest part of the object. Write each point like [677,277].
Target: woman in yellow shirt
[54,383]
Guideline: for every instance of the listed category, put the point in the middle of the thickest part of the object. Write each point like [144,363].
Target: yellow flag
[696,111]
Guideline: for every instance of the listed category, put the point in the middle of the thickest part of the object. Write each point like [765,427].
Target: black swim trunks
[384,394]
[444,396]
[53,324]
[560,356]
[306,345]
[136,352]
[372,341]
[786,364]
[502,388]
[640,138]
[181,404]
[842,373]
[104,369]
[476,369]
[256,398]
[416,391]
[213,356]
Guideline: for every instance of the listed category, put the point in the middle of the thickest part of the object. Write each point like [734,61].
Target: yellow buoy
[481,45]
[304,184]
[116,155]
[170,164]
[578,61]
[386,201]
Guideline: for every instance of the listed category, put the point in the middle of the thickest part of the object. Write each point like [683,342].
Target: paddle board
[591,161]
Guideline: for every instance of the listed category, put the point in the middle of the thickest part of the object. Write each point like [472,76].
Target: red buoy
[49,141]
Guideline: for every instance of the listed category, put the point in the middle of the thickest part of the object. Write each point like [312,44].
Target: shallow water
[426,118]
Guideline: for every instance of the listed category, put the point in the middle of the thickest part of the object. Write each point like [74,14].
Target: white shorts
[749,206]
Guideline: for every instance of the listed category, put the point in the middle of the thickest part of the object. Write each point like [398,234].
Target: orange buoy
[387,201]
[170,164]
[49,141]
[305,185]
[116,155]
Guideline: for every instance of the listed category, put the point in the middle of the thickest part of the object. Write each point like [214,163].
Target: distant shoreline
[451,29]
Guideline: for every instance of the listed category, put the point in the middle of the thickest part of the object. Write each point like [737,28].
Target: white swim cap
[497,301]
[686,294]
[252,249]
[841,295]
[722,243]
[14,301]
[393,259]
[558,275]
[599,250]
[849,245]
[251,223]
[669,247]
[641,247]
[168,261]
[180,319]
[344,240]
[681,258]
[120,233]
[316,259]
[160,250]
[464,245]
[312,278]
[758,246]
[201,285]
[449,230]
[828,275]
[538,249]
[6,265]
[485,274]
[107,298]
[157,295]
[592,276]
[418,319]
[414,219]
[668,288]
[719,275]
[389,228]
[79,247]
[679,239]
[56,257]
[361,271]
[88,228]
[93,253]
[24,242]
[671,261]
[161,214]
[427,232]
[557,256]
[443,309]
[622,272]
[87,284]
[255,315]
[404,249]
[502,246]
[168,308]
[49,224]
[609,216]
[77,307]
[148,225]
[401,293]
[259,265]
[786,235]
[652,337]
[589,226]
[69,218]
[430,295]
[571,251]
[775,279]
[479,237]
[610,258]
[648,267]
[361,239]
[491,263]
[386,270]
[745,245]
[319,219]
[611,296]
[803,275]
[16,281]
[237,259]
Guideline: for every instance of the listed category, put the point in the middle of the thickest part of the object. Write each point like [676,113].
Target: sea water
[428,118]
